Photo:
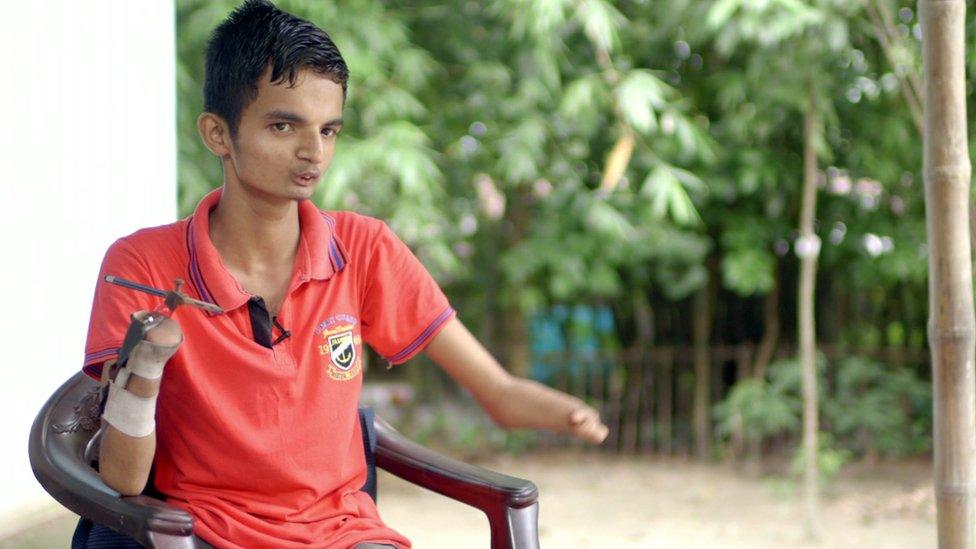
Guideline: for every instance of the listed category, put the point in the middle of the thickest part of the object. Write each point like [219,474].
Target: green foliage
[748,265]
[748,271]
[878,407]
[830,458]
[535,94]
[869,407]
[767,22]
[664,186]
[787,375]
[464,431]
[641,95]
[757,409]
[483,133]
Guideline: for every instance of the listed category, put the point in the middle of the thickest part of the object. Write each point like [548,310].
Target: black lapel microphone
[284,333]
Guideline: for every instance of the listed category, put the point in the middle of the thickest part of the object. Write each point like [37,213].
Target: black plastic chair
[62,444]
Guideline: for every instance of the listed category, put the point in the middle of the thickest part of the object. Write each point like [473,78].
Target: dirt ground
[597,501]
[589,500]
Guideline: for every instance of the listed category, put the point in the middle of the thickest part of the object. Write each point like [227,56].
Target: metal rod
[173,298]
[134,285]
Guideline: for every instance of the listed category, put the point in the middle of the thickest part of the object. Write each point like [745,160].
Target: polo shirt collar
[320,254]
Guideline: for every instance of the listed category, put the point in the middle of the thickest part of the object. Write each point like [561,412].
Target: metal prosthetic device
[131,414]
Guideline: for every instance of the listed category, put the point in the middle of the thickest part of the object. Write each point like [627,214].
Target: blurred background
[610,195]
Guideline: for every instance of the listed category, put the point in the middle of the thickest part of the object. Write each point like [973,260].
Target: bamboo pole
[947,171]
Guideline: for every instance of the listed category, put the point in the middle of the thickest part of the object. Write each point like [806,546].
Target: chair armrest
[511,503]
[56,460]
[476,486]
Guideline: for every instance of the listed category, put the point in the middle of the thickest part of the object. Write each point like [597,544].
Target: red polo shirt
[258,435]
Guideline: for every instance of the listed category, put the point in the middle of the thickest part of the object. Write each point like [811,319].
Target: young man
[253,429]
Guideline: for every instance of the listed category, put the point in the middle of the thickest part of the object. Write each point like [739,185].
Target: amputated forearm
[512,402]
[129,443]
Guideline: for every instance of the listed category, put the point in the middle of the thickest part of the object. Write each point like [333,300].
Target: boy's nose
[312,149]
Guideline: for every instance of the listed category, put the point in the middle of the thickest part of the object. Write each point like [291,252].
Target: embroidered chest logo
[340,342]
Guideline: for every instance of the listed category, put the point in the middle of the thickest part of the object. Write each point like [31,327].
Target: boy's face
[286,137]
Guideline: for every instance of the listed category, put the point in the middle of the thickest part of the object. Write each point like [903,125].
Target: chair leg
[521,530]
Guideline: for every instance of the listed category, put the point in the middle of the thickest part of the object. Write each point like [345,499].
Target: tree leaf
[639,95]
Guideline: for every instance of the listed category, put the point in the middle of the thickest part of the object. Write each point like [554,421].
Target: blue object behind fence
[567,340]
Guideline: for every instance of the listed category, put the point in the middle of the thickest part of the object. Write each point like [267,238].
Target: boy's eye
[328,132]
[281,126]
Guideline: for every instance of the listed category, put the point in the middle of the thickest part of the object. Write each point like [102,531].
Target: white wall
[87,154]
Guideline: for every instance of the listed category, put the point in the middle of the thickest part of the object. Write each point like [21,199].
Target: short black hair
[253,36]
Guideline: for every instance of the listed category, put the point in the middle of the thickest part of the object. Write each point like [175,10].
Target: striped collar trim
[337,255]
[320,255]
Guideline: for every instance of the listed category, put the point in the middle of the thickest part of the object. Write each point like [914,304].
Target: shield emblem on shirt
[342,350]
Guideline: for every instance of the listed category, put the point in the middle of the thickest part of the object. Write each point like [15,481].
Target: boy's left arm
[512,402]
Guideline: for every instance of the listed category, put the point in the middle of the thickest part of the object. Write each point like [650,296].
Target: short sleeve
[113,305]
[403,307]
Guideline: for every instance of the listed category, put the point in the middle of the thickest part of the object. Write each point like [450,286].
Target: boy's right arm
[124,459]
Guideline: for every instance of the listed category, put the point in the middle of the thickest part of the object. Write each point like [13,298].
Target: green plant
[757,409]
[830,458]
[879,407]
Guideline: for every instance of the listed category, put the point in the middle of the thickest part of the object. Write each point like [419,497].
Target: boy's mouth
[306,178]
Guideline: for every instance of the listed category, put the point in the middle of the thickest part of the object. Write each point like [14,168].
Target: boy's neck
[253,234]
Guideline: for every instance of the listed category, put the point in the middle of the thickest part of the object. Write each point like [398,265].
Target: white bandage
[132,415]
[147,359]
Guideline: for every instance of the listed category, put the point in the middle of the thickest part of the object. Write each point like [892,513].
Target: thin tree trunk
[644,323]
[808,247]
[702,401]
[615,409]
[643,320]
[488,333]
[664,392]
[881,19]
[646,443]
[947,174]
[767,345]
[764,355]
[631,429]
[743,371]
[743,361]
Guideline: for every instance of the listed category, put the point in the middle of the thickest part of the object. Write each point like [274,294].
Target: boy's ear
[215,133]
